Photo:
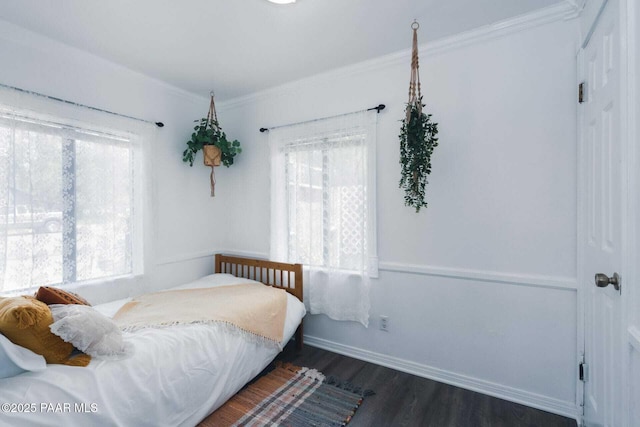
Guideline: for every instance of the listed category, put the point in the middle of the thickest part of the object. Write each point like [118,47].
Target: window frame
[88,127]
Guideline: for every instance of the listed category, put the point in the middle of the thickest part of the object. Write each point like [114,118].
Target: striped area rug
[289,396]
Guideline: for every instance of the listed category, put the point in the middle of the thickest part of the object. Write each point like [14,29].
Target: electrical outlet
[384,323]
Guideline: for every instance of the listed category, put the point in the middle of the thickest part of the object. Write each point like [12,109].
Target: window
[323,209]
[66,201]
[326,201]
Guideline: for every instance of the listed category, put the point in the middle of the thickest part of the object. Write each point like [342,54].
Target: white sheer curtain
[323,210]
[69,178]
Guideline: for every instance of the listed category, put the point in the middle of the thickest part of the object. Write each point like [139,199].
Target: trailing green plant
[208,132]
[418,138]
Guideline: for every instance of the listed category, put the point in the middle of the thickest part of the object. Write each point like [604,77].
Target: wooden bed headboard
[277,274]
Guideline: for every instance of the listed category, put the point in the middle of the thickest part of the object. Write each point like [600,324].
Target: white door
[602,211]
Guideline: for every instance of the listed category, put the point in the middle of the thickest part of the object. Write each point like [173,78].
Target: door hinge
[583,368]
[581,93]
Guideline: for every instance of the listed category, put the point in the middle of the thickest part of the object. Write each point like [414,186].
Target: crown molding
[577,7]
[565,10]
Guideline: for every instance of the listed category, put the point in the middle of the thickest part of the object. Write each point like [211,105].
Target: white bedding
[172,379]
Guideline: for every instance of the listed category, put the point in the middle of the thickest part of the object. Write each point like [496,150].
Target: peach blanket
[251,308]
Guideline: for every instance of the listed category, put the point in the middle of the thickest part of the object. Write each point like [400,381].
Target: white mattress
[175,377]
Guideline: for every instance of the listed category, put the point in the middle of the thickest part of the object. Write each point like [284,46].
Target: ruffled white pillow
[89,331]
[15,359]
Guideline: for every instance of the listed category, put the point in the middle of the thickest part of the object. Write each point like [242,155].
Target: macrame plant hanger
[417,137]
[415,94]
[212,154]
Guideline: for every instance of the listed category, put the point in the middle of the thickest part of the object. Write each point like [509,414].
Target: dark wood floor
[406,400]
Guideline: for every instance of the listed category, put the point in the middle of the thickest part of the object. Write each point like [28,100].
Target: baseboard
[567,409]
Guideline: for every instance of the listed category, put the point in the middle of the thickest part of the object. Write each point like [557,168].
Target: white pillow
[15,359]
[89,331]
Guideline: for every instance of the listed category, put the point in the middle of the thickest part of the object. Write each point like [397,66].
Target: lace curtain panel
[66,198]
[322,214]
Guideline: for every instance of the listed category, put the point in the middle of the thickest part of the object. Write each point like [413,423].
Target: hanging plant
[213,142]
[418,138]
[417,141]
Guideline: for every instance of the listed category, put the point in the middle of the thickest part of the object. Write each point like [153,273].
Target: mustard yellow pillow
[25,321]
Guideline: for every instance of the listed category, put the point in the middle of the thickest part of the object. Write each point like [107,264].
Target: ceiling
[237,47]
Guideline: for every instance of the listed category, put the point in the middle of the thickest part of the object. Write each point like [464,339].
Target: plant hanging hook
[415,25]
[212,93]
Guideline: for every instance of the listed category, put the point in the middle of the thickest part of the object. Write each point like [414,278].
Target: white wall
[187,223]
[480,287]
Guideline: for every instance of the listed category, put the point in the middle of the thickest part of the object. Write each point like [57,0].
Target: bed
[176,375]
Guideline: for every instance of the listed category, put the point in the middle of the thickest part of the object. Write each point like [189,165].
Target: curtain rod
[378,108]
[53,98]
